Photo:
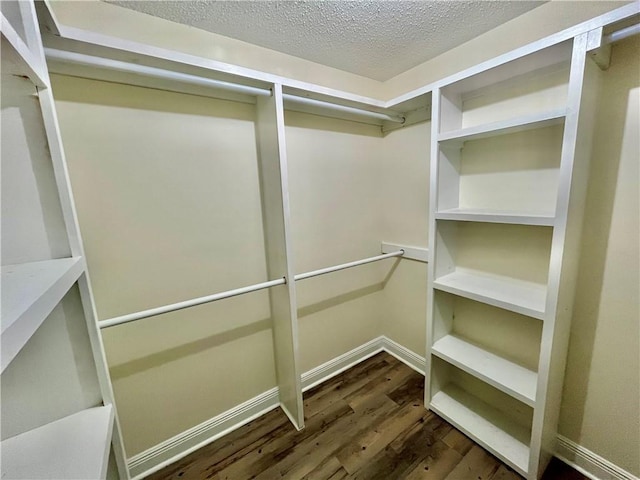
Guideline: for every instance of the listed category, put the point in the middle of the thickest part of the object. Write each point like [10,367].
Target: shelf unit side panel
[275,200]
[32,220]
[53,375]
[434,167]
[584,84]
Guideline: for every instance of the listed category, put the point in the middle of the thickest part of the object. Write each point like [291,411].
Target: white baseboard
[588,463]
[181,445]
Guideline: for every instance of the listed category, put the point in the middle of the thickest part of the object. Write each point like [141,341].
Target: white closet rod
[322,271]
[622,33]
[188,303]
[137,69]
[152,312]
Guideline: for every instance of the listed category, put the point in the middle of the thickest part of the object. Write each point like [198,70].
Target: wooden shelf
[487,426]
[512,379]
[496,216]
[526,298]
[74,447]
[504,127]
[30,291]
[17,59]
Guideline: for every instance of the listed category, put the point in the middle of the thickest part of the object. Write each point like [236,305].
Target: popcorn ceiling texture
[375,39]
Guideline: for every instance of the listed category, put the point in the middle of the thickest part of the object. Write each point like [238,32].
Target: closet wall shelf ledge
[76,446]
[509,377]
[30,291]
[503,127]
[496,216]
[519,296]
[506,439]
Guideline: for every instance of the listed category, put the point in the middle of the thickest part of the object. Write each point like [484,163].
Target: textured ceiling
[377,39]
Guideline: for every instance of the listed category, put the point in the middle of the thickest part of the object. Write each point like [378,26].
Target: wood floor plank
[362,449]
[376,405]
[476,464]
[436,466]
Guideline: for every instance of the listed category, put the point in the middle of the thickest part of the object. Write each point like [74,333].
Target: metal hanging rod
[152,312]
[322,271]
[622,33]
[137,69]
[188,303]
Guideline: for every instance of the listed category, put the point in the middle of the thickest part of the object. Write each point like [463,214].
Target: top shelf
[30,291]
[503,127]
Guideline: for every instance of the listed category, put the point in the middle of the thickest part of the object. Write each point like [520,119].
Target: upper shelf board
[526,298]
[503,127]
[496,216]
[74,447]
[30,291]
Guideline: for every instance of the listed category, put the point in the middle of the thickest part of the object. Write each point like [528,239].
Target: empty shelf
[487,426]
[514,380]
[526,298]
[504,127]
[30,291]
[74,447]
[496,216]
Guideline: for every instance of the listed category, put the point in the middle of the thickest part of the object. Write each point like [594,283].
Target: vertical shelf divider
[276,218]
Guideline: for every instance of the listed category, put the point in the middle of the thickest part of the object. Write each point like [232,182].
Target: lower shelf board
[74,447]
[487,426]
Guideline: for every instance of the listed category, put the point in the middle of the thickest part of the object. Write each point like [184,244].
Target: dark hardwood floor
[367,423]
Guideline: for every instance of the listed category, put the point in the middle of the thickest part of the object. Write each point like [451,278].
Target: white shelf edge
[481,424]
[30,291]
[506,376]
[504,127]
[496,216]
[74,447]
[510,294]
[32,68]
[420,254]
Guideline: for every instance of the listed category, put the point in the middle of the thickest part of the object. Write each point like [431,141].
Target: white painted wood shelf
[509,377]
[16,56]
[489,427]
[504,127]
[526,298]
[543,219]
[30,291]
[74,447]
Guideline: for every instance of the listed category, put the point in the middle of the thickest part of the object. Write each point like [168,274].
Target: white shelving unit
[49,337]
[509,161]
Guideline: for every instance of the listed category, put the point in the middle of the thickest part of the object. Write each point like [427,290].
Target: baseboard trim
[588,463]
[181,445]
[155,458]
[336,366]
[405,355]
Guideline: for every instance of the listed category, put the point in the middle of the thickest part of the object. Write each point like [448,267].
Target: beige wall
[334,181]
[601,401]
[160,181]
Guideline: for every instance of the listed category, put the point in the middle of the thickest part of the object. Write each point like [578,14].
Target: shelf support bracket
[599,51]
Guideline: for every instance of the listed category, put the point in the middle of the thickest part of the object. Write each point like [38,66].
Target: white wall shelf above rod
[132,317]
[420,254]
[81,59]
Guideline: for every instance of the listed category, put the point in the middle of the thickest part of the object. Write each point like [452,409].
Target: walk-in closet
[223,260]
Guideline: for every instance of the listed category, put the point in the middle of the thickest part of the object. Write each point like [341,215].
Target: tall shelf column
[509,166]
